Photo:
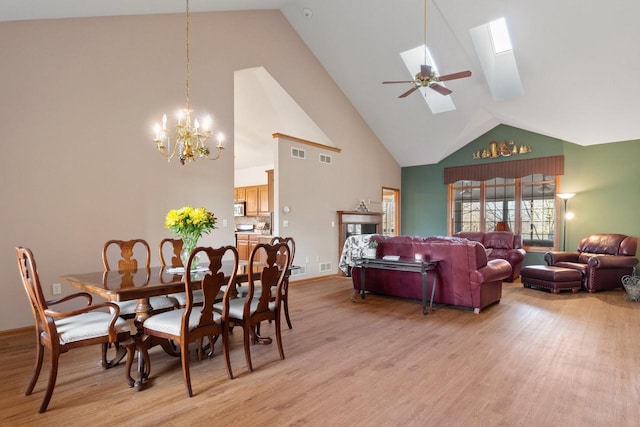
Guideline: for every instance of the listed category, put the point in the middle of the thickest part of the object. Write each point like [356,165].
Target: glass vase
[189,243]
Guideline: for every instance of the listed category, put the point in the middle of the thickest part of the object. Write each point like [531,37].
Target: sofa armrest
[554,257]
[516,256]
[496,269]
[612,261]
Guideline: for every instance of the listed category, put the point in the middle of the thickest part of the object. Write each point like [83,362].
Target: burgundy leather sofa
[503,244]
[601,258]
[465,277]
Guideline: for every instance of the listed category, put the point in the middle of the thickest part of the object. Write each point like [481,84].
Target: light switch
[285,223]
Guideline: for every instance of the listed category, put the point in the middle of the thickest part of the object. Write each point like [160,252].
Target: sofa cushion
[498,240]
[601,244]
[476,236]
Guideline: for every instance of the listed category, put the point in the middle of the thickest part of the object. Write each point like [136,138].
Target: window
[526,206]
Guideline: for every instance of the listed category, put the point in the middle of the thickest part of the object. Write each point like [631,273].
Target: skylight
[497,58]
[500,36]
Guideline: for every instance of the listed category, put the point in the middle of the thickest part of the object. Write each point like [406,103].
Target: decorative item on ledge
[189,224]
[501,149]
[362,207]
[190,141]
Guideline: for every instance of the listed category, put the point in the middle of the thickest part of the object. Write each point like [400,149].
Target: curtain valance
[511,169]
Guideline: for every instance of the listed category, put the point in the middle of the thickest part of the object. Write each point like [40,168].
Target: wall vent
[324,267]
[298,153]
[299,271]
[326,159]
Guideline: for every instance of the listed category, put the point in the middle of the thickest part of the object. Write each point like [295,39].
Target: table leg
[433,289]
[143,310]
[424,293]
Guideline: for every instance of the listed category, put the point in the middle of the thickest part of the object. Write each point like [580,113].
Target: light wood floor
[535,359]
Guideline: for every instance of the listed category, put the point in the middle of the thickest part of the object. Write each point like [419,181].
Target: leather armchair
[503,244]
[601,258]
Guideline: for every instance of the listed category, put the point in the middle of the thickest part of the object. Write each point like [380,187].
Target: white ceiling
[578,62]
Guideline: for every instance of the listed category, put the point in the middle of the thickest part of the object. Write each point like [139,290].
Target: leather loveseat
[465,277]
[602,259]
[502,245]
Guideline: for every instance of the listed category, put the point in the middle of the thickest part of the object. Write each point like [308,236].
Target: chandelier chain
[188,59]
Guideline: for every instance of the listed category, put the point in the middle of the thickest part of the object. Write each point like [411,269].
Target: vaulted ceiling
[578,62]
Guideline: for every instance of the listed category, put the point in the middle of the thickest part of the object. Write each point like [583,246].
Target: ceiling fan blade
[409,92]
[404,81]
[425,70]
[453,76]
[440,89]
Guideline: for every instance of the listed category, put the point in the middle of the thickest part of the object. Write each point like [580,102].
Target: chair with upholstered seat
[193,323]
[61,331]
[602,260]
[131,255]
[263,299]
[171,249]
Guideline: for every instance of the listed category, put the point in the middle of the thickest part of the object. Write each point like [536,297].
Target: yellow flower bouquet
[190,224]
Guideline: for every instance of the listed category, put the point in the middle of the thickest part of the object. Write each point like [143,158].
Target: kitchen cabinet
[242,245]
[263,200]
[258,199]
[246,242]
[239,194]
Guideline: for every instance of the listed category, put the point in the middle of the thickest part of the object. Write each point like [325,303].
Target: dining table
[141,284]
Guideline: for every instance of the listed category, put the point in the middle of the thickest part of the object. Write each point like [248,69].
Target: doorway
[390,211]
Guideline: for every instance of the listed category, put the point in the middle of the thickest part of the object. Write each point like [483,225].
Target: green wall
[605,178]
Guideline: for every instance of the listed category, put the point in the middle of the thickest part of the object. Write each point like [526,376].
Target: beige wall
[78,101]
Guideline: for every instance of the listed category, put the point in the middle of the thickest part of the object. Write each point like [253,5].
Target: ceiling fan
[427,76]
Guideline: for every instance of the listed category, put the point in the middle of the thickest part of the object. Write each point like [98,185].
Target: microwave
[238,208]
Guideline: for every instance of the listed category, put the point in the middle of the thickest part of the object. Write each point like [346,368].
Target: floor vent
[325,266]
[298,153]
[326,159]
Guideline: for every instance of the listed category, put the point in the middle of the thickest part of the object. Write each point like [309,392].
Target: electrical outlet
[56,289]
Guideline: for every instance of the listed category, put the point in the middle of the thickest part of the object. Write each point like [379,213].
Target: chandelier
[189,139]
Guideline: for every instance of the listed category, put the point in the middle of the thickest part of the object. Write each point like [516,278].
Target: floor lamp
[565,197]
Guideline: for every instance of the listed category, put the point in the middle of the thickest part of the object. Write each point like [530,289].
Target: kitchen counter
[256,232]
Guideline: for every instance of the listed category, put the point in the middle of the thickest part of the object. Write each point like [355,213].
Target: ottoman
[550,277]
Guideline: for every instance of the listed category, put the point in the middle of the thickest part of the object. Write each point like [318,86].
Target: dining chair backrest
[133,254]
[171,249]
[271,276]
[292,249]
[31,283]
[210,282]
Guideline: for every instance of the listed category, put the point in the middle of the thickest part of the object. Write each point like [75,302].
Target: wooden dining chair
[175,246]
[133,254]
[60,331]
[171,249]
[285,285]
[258,305]
[195,323]
[130,255]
